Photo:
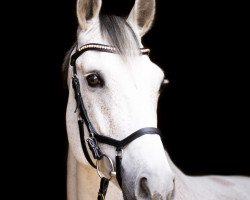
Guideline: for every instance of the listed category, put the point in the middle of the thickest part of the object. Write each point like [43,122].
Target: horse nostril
[151,189]
[171,194]
[144,191]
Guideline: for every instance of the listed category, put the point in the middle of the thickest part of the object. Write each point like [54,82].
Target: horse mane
[117,32]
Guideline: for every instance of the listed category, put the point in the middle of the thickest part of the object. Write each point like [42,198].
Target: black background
[203,113]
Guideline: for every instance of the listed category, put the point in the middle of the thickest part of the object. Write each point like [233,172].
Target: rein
[94,138]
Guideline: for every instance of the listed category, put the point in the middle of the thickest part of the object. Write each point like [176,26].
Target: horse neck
[182,189]
[82,181]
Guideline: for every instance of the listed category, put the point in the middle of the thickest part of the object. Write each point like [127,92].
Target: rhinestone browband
[106,48]
[98,47]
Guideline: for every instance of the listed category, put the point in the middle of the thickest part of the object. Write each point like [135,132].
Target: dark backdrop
[203,113]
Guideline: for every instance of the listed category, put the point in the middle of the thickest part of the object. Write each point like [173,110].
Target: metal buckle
[93,146]
[119,152]
[112,172]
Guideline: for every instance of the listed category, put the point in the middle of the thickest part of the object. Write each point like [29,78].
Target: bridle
[94,137]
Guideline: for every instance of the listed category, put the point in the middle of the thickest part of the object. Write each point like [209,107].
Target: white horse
[114,92]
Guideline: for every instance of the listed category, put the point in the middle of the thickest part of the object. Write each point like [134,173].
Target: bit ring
[112,172]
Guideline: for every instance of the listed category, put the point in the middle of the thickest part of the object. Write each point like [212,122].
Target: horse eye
[94,80]
[163,85]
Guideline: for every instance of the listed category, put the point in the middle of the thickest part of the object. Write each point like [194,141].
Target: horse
[111,116]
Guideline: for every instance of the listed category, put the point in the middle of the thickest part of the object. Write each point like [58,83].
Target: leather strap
[80,105]
[104,183]
[120,144]
[84,147]
[119,170]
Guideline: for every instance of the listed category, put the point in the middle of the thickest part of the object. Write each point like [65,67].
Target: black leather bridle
[94,137]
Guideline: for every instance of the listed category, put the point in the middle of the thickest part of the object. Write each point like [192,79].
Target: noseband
[94,137]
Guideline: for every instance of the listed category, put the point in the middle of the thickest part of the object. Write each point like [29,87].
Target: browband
[98,47]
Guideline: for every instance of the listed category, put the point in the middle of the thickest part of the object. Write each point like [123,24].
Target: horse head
[114,93]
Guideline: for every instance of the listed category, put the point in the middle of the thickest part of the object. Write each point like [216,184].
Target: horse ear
[142,15]
[86,11]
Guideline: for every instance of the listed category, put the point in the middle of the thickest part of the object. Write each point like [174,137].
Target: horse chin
[156,196]
[131,196]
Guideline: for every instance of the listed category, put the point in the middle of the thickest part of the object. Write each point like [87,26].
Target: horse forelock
[119,34]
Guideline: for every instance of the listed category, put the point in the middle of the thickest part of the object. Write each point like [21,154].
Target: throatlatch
[94,137]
